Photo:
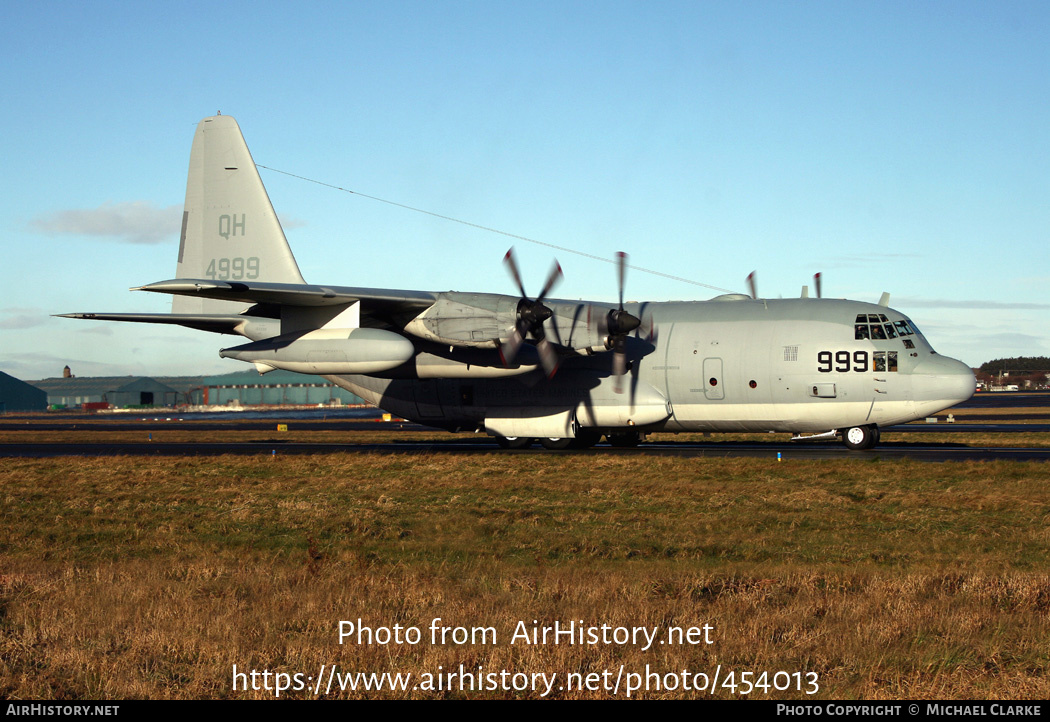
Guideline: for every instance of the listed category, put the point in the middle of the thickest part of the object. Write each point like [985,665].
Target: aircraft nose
[943,380]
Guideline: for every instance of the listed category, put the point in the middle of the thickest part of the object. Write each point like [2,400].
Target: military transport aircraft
[523,369]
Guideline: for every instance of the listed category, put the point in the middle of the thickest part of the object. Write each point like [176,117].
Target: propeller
[752,285]
[618,324]
[530,317]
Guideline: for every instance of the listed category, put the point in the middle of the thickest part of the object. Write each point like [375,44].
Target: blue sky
[899,147]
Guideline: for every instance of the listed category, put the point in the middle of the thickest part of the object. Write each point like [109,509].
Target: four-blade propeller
[617,325]
[530,317]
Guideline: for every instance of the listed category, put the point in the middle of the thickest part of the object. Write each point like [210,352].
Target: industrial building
[17,395]
[276,388]
[242,388]
[121,391]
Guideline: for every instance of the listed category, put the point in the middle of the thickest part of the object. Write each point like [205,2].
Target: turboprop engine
[476,320]
[482,320]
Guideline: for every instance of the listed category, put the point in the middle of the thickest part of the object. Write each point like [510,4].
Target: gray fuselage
[729,364]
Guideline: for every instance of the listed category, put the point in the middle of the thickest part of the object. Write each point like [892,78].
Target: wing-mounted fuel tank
[327,351]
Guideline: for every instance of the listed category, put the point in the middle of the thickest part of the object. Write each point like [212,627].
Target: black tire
[585,439]
[555,444]
[626,440]
[514,442]
[860,438]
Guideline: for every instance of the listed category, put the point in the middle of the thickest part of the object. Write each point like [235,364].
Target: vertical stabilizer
[229,229]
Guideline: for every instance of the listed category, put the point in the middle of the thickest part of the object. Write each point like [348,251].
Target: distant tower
[66,373]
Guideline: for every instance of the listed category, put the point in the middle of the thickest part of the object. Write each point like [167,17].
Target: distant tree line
[1020,363]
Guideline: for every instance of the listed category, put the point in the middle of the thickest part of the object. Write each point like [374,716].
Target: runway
[772,451]
[973,417]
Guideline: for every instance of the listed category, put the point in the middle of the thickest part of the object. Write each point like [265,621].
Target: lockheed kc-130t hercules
[526,369]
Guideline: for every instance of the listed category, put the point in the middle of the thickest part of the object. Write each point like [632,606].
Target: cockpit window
[883,361]
[877,326]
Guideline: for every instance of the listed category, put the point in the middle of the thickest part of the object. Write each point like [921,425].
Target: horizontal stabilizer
[215,323]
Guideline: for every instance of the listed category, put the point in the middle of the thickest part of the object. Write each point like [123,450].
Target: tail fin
[229,229]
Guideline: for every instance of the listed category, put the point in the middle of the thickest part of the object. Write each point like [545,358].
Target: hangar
[121,391]
[16,395]
[276,388]
[242,388]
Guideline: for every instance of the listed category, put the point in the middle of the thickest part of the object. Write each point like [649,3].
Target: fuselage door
[713,379]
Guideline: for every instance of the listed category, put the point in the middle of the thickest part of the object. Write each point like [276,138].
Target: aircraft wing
[378,306]
[293,294]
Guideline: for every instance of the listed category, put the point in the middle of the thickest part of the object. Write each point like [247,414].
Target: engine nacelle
[480,320]
[327,351]
[485,320]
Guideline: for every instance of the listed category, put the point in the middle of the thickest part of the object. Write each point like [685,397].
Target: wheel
[514,442]
[585,439]
[555,443]
[625,440]
[859,438]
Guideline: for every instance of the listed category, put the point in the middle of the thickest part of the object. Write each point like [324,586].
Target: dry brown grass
[127,577]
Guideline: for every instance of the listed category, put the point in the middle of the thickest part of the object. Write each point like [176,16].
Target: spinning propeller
[752,285]
[617,324]
[530,317]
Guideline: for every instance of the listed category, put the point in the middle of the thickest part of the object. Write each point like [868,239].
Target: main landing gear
[860,438]
[514,442]
[584,439]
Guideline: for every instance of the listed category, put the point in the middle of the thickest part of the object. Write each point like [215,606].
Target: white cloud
[288,222]
[130,222]
[1024,342]
[19,318]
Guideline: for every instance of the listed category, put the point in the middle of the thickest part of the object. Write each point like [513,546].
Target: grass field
[128,577]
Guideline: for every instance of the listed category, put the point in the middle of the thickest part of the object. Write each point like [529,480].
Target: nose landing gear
[860,438]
